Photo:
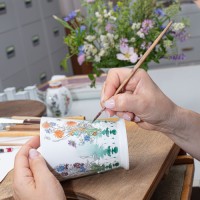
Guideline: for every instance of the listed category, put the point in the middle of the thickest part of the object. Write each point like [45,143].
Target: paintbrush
[23,127]
[19,121]
[139,63]
[18,133]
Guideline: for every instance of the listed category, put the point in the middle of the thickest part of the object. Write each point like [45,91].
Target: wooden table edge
[169,161]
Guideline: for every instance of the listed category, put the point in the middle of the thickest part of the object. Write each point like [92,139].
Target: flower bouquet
[117,35]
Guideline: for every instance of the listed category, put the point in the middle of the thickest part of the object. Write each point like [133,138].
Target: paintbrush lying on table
[139,63]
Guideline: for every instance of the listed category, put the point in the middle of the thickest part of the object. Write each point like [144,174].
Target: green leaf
[64,64]
[64,23]
[91,77]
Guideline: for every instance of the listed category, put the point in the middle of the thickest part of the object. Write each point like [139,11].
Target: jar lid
[55,85]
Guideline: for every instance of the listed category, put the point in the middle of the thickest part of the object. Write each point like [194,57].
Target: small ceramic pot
[75,148]
[58,100]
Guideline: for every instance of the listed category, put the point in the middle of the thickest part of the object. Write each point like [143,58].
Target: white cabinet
[191,47]
[31,42]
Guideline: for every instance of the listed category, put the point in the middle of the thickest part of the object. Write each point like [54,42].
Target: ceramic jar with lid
[58,100]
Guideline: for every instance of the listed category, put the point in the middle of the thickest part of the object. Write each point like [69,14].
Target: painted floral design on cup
[82,147]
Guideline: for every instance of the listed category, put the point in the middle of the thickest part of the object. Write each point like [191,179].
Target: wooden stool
[22,108]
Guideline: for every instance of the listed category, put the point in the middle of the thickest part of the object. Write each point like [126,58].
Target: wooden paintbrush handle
[11,144]
[23,127]
[18,133]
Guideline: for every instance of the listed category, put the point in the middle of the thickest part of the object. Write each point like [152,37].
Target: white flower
[116,37]
[178,26]
[136,26]
[140,34]
[167,43]
[113,18]
[97,58]
[132,39]
[106,45]
[102,52]
[97,14]
[90,38]
[127,53]
[88,57]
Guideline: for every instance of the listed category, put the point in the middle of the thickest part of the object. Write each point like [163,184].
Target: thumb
[39,167]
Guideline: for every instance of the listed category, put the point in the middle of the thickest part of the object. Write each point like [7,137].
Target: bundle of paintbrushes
[12,127]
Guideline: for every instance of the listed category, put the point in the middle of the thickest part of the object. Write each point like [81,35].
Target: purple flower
[109,28]
[81,58]
[159,12]
[81,49]
[124,42]
[182,36]
[178,57]
[71,16]
[115,8]
[82,28]
[147,24]
[90,1]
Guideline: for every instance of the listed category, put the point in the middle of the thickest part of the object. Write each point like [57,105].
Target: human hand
[32,178]
[141,100]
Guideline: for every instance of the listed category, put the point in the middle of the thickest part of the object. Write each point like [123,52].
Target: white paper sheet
[7,161]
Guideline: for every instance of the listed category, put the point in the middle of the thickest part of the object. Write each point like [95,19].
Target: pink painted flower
[81,59]
[127,53]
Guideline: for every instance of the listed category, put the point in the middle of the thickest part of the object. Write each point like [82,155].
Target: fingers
[21,166]
[38,166]
[114,79]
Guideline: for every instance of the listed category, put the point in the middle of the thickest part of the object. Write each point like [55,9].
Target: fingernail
[137,119]
[126,117]
[109,103]
[107,114]
[33,153]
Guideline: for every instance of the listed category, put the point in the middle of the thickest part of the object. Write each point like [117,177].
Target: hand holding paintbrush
[139,63]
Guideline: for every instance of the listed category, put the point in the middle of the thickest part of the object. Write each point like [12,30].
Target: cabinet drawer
[7,15]
[40,72]
[189,7]
[28,11]
[55,33]
[194,18]
[57,57]
[34,42]
[191,49]
[50,7]
[11,54]
[18,80]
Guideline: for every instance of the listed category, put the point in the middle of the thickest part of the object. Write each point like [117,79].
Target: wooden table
[151,155]
[22,108]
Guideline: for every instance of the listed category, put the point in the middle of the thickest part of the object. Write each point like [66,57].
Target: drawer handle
[43,77]
[2,8]
[28,3]
[49,1]
[10,52]
[56,32]
[188,49]
[35,40]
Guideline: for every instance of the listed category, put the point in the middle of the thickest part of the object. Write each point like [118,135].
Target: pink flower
[109,27]
[127,53]
[81,59]
[124,42]
[90,1]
